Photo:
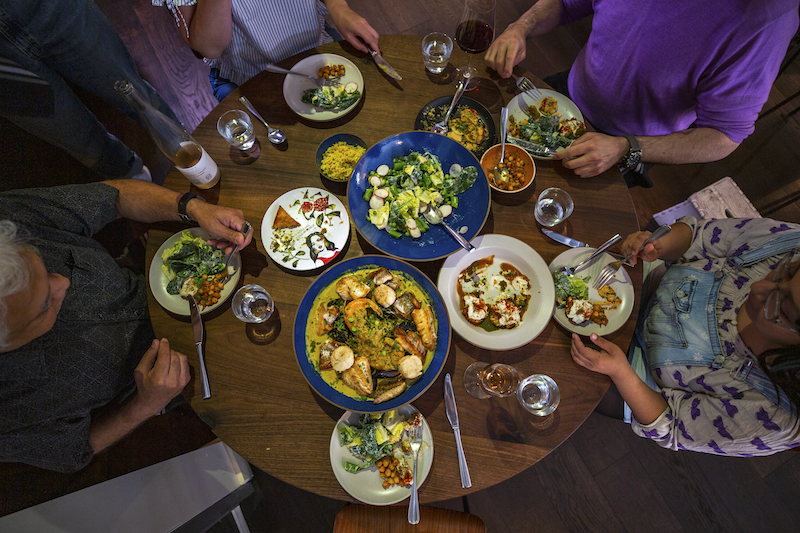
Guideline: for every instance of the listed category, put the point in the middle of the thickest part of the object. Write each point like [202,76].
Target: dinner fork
[569,271]
[244,231]
[526,85]
[611,269]
[415,438]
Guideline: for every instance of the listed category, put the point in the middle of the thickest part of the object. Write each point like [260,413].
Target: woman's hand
[610,360]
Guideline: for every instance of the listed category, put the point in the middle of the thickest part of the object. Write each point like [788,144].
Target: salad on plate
[400,194]
[194,267]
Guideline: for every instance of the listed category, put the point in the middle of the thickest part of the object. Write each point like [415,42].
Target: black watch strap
[182,205]
[634,155]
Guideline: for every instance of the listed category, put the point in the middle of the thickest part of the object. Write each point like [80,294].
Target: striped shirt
[264,32]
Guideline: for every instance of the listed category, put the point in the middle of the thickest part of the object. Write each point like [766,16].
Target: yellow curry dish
[372,333]
[468,129]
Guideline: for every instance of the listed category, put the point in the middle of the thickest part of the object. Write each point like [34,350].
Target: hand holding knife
[452,416]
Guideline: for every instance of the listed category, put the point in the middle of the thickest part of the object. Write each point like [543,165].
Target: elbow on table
[210,50]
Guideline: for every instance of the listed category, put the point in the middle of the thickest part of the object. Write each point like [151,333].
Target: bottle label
[201,172]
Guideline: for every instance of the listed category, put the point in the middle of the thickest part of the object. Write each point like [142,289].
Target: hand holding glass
[235,126]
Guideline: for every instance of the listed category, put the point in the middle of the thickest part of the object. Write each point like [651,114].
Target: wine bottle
[173,140]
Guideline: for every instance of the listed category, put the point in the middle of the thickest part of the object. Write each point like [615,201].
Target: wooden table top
[262,406]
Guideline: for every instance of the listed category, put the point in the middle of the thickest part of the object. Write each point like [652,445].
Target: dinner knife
[384,65]
[452,416]
[563,239]
[197,328]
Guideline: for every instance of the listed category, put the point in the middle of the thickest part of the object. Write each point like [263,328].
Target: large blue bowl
[306,312]
[473,204]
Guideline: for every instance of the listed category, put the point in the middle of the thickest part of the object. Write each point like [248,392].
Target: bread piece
[284,220]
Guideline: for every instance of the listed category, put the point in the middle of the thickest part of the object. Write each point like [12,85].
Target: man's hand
[593,153]
[353,26]
[160,376]
[611,360]
[507,50]
[225,223]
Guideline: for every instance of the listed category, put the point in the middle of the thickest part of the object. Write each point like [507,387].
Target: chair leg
[238,517]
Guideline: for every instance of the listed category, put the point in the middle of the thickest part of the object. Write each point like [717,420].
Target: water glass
[436,50]
[483,380]
[553,207]
[235,126]
[538,394]
[252,304]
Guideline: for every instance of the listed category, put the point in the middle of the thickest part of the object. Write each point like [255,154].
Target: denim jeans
[71,41]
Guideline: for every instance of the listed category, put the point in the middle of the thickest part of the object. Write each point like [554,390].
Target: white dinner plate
[566,108]
[332,223]
[173,302]
[294,86]
[621,284]
[367,485]
[507,250]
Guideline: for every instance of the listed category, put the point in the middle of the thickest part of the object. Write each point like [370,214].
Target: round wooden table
[262,406]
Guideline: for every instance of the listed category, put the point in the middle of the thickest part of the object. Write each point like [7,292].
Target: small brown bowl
[492,156]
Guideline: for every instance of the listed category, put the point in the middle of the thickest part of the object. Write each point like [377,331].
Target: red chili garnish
[320,204]
[307,207]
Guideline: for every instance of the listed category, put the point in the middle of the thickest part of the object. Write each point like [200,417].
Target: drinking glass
[474,34]
[553,207]
[538,394]
[235,126]
[252,304]
[436,50]
[483,380]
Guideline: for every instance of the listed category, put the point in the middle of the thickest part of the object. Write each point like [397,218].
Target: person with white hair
[79,364]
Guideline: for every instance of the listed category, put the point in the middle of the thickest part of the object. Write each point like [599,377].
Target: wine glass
[474,35]
[483,380]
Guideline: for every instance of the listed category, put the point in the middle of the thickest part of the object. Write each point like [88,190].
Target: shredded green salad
[570,286]
[399,194]
[191,257]
[376,438]
[331,97]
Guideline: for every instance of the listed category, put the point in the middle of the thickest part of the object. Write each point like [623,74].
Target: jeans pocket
[664,331]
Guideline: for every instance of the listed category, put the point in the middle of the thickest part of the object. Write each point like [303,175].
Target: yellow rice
[339,160]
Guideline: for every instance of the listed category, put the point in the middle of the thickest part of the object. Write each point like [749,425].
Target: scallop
[384,295]
[342,358]
[410,366]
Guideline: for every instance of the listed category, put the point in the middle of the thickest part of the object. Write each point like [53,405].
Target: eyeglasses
[773,307]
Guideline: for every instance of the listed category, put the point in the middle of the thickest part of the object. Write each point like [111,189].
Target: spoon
[434,216]
[501,175]
[441,127]
[609,243]
[275,136]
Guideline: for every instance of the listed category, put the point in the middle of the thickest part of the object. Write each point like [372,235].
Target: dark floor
[603,478]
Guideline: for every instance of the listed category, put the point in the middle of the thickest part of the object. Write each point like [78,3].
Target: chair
[394,519]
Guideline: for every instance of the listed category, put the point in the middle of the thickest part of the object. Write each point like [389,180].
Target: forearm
[541,18]
[694,145]
[146,202]
[111,427]
[645,403]
[210,26]
[674,244]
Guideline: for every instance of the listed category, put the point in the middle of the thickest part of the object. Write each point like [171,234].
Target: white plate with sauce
[295,86]
[367,485]
[175,303]
[621,284]
[518,254]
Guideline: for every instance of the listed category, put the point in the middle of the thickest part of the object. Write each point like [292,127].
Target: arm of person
[160,376]
[353,26]
[510,48]
[670,247]
[207,26]
[147,202]
[645,403]
[593,153]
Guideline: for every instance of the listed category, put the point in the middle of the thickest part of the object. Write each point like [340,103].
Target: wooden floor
[603,478]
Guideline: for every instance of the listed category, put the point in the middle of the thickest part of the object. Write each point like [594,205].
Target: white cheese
[578,311]
[474,313]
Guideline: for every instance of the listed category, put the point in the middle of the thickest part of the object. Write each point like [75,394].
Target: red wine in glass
[474,34]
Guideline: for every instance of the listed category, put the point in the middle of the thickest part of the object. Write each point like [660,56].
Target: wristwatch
[182,205]
[634,156]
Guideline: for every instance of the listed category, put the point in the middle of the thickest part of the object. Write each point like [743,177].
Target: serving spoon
[275,135]
[433,215]
[501,174]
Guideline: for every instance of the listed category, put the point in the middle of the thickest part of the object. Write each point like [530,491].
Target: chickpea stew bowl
[520,165]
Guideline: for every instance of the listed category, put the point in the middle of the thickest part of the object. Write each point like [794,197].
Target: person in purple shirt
[666,82]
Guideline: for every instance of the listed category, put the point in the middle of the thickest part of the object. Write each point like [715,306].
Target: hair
[14,272]
[783,369]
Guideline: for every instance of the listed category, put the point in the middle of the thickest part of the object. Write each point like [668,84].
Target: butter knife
[452,416]
[384,65]
[197,328]
[563,239]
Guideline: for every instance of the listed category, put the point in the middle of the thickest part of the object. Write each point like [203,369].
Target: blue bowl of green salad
[405,174]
